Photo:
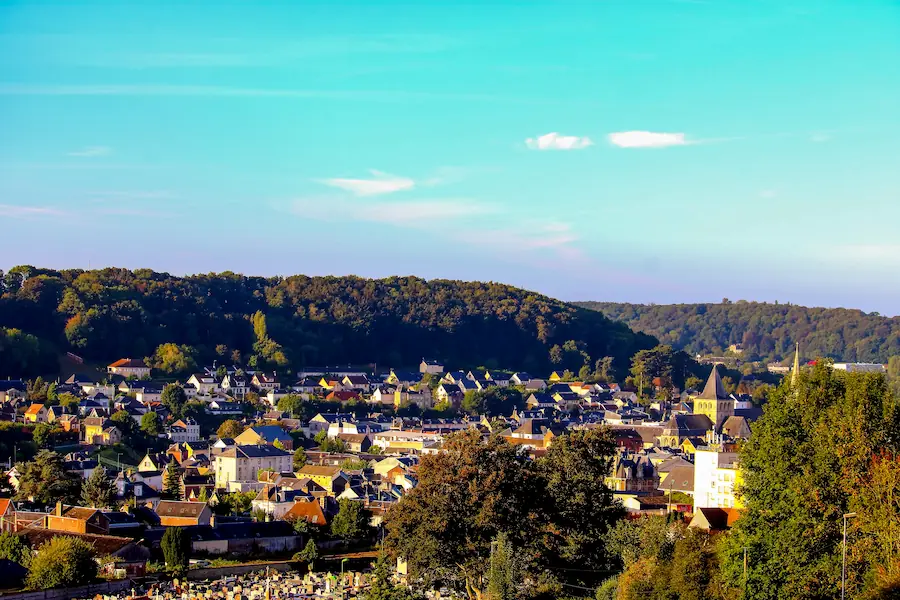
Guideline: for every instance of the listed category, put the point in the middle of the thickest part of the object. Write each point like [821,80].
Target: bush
[176,547]
[14,548]
[62,562]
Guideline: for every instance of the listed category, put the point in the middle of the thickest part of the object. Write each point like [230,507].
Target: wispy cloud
[872,255]
[425,211]
[379,183]
[91,151]
[556,141]
[112,196]
[118,211]
[24,212]
[647,139]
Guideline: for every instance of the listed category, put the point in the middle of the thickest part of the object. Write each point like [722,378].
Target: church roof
[714,390]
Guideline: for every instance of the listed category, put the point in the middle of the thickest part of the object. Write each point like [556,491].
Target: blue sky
[651,151]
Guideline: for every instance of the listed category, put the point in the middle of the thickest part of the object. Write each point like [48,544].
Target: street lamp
[844,555]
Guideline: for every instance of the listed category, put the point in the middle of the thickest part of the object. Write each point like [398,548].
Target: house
[403,377]
[448,392]
[716,476]
[680,427]
[307,385]
[356,442]
[499,378]
[306,510]
[182,514]
[520,378]
[275,500]
[77,519]
[265,434]
[539,400]
[12,388]
[453,377]
[332,478]
[129,367]
[632,473]
[557,376]
[343,395]
[7,515]
[265,381]
[356,382]
[322,421]
[237,467]
[535,384]
[235,385]
[36,413]
[274,395]
[383,396]
[469,385]
[204,383]
[714,519]
[183,430]
[430,365]
[100,431]
[223,407]
[678,479]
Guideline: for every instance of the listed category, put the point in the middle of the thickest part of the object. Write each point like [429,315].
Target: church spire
[795,372]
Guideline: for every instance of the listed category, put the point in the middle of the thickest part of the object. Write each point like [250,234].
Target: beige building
[127,367]
[237,468]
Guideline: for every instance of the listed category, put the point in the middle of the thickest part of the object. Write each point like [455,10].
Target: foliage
[176,548]
[235,503]
[172,482]
[45,480]
[506,574]
[309,554]
[300,459]
[823,448]
[173,359]
[98,491]
[291,404]
[150,424]
[768,332]
[123,421]
[43,434]
[173,398]
[14,547]
[23,354]
[230,429]
[493,401]
[278,320]
[608,589]
[382,587]
[62,562]
[351,522]
[327,444]
[354,464]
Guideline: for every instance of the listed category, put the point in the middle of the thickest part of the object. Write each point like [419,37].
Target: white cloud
[555,141]
[872,253]
[136,195]
[380,183]
[411,213]
[91,151]
[646,139]
[23,212]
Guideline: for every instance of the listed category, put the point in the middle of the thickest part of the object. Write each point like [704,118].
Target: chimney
[59,508]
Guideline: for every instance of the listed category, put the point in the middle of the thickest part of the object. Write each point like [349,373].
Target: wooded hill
[767,331]
[276,322]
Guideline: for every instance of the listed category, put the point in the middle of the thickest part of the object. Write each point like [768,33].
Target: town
[256,466]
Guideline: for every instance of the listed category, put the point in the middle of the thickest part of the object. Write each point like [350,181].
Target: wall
[87,591]
[219,572]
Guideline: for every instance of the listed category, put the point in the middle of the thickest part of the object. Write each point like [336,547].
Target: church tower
[795,372]
[713,401]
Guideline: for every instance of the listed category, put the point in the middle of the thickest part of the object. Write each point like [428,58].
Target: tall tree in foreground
[172,483]
[98,491]
[62,562]
[176,548]
[823,448]
[46,481]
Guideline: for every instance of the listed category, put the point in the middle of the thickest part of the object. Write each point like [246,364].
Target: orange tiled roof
[34,408]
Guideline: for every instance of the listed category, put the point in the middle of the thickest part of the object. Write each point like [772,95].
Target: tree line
[768,332]
[276,322]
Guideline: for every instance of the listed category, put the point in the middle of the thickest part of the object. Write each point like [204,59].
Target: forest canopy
[276,322]
[767,332]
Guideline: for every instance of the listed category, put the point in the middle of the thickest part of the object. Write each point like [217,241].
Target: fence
[85,591]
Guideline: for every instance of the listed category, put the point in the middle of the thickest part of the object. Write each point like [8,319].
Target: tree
[351,522]
[172,483]
[173,359]
[176,548]
[657,362]
[67,400]
[309,554]
[124,422]
[382,587]
[466,496]
[14,548]
[229,429]
[43,434]
[99,491]
[62,562]
[505,575]
[808,462]
[150,424]
[173,398]
[291,404]
[300,459]
[45,480]
[36,390]
[603,368]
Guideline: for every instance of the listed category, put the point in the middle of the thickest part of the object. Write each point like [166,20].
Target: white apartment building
[715,476]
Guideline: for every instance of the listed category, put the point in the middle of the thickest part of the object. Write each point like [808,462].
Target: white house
[715,475]
[184,430]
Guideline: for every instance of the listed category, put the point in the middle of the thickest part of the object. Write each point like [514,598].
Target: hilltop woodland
[276,323]
[767,332]
[491,525]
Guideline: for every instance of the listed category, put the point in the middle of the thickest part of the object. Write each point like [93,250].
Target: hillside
[767,331]
[291,322]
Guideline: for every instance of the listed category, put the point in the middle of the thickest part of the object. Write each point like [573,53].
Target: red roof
[342,395]
[34,408]
[309,511]
[4,505]
[129,362]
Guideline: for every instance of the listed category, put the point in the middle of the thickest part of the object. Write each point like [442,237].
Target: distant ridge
[767,332]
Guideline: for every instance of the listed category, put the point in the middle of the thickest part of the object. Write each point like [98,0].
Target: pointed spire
[795,372]
[714,390]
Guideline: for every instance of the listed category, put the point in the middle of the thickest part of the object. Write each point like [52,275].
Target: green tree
[36,390]
[45,481]
[43,434]
[309,554]
[173,359]
[351,522]
[229,429]
[14,548]
[173,398]
[176,548]
[150,424]
[62,562]
[808,462]
[68,401]
[505,576]
[98,491]
[291,404]
[382,586]
[172,483]
[300,459]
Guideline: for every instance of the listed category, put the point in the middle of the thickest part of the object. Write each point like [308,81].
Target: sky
[644,151]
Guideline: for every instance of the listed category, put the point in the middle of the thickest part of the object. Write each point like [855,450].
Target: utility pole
[844,556]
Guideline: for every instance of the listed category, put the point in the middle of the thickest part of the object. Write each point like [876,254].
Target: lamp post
[844,555]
